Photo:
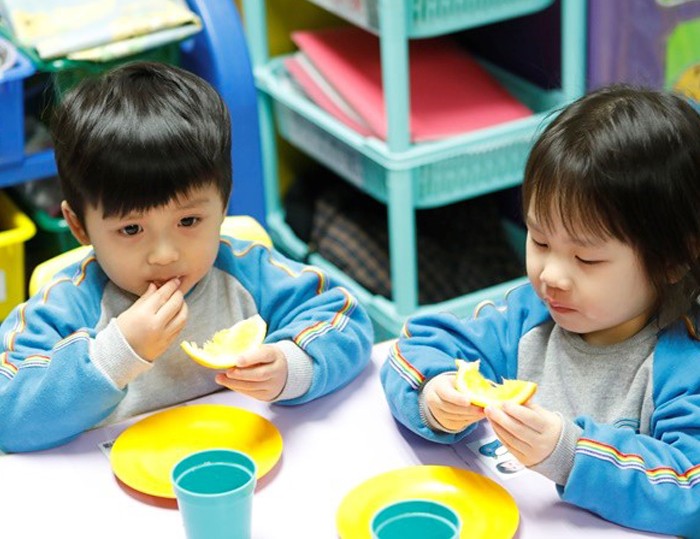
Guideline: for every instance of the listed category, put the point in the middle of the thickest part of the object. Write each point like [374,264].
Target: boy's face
[179,239]
[597,288]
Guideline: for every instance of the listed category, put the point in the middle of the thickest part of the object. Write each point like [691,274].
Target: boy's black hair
[139,136]
[624,162]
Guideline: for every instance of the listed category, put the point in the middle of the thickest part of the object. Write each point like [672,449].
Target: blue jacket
[649,482]
[64,366]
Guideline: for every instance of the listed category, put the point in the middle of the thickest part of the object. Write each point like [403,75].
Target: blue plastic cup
[416,519]
[214,490]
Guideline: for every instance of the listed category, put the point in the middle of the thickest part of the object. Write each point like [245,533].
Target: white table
[330,447]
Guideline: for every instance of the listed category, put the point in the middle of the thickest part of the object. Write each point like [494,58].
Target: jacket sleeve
[301,304]
[50,389]
[648,482]
[429,345]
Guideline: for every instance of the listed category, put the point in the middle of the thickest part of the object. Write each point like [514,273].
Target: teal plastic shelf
[427,18]
[403,175]
[442,172]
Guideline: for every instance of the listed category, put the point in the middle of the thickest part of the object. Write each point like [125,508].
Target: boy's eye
[189,221]
[130,230]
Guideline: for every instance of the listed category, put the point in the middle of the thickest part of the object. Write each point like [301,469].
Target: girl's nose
[554,275]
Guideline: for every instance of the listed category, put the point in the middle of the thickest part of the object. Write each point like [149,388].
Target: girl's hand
[261,374]
[155,320]
[449,407]
[529,431]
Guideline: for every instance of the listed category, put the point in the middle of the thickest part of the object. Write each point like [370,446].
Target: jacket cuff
[114,357]
[557,466]
[300,371]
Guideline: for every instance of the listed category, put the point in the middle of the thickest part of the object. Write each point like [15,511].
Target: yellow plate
[487,510]
[143,455]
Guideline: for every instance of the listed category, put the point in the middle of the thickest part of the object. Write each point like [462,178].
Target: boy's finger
[149,292]
[178,321]
[256,357]
[243,361]
[170,307]
[169,288]
[164,292]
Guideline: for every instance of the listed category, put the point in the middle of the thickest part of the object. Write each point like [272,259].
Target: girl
[605,326]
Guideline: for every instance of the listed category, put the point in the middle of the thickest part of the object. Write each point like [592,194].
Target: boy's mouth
[161,282]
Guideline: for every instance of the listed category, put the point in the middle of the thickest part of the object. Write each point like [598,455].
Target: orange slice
[226,345]
[483,392]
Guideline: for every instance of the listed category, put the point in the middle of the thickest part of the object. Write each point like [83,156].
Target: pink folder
[324,96]
[450,92]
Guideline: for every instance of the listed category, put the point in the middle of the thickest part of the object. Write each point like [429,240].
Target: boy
[144,157]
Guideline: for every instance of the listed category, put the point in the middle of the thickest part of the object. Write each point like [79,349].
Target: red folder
[450,92]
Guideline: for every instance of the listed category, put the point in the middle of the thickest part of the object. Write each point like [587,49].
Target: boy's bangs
[143,181]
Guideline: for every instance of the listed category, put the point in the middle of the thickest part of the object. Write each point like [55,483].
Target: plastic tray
[71,73]
[15,229]
[53,235]
[428,18]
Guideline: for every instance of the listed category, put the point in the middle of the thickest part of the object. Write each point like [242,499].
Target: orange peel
[226,345]
[484,392]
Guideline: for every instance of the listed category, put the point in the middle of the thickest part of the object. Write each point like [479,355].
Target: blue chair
[219,54]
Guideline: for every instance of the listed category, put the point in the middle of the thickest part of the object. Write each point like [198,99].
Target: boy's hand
[449,407]
[529,431]
[261,374]
[155,320]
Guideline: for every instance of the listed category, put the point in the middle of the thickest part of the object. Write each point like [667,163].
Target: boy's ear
[76,227]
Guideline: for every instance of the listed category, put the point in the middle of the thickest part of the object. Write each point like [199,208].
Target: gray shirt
[612,384]
[218,301]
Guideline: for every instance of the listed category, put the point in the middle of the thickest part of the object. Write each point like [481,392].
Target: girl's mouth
[559,308]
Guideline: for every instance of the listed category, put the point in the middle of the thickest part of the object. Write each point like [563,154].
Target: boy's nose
[162,253]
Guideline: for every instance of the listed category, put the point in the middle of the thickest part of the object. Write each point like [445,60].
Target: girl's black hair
[624,162]
[139,136]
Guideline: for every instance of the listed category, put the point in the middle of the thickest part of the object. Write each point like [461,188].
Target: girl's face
[179,239]
[595,287]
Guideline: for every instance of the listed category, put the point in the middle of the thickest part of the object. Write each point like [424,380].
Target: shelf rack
[402,175]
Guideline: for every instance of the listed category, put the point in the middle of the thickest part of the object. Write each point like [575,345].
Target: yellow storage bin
[15,229]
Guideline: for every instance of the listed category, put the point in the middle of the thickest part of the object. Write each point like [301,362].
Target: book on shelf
[450,92]
[96,29]
[323,94]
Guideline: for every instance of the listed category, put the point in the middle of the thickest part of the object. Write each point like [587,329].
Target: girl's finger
[498,418]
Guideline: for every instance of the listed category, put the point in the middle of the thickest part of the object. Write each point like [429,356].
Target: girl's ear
[76,227]
[676,273]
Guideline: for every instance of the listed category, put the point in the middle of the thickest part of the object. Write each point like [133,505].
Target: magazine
[59,28]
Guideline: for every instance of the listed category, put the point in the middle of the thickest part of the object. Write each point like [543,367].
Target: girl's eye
[130,230]
[538,243]
[189,221]
[587,262]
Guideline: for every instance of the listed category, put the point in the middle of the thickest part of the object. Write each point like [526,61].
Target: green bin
[52,238]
